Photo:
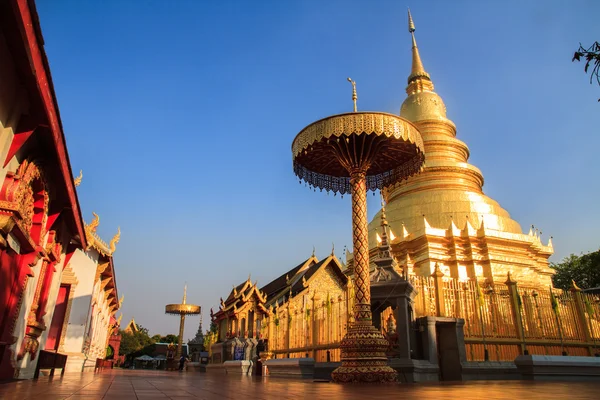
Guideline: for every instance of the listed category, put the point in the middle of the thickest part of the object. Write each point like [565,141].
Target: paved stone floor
[129,384]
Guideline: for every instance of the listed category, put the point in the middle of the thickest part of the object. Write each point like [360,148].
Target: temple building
[441,216]
[42,230]
[311,296]
[89,319]
[240,314]
[131,327]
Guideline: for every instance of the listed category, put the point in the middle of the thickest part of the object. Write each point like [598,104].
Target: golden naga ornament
[77,180]
[90,230]
[115,240]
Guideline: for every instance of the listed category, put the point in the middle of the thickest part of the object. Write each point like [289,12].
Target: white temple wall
[83,264]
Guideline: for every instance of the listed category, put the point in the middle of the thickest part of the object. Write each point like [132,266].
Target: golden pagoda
[442,215]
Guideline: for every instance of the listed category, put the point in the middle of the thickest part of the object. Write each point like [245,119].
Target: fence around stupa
[503,318]
[313,330]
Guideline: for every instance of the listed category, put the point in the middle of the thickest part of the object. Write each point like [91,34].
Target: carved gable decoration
[24,202]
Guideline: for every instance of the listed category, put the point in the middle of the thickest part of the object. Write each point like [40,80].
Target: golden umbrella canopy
[182,310]
[388,147]
[179,309]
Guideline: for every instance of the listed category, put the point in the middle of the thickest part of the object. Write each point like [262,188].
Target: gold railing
[503,318]
[314,329]
[507,320]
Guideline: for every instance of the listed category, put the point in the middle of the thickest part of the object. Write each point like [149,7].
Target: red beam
[18,141]
[30,30]
[51,220]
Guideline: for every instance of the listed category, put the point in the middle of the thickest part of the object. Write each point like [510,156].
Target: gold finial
[184,293]
[119,319]
[332,248]
[354,96]
[115,240]
[95,222]
[417,69]
[121,301]
[411,24]
[77,180]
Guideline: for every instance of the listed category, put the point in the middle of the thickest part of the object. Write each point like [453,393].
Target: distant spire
[184,293]
[417,71]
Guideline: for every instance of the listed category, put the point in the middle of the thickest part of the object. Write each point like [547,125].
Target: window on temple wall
[251,324]
[92,321]
[243,328]
[58,319]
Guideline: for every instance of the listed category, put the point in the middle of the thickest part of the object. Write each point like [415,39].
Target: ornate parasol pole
[353,153]
[182,310]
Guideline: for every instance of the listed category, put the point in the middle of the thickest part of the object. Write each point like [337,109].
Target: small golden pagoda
[442,215]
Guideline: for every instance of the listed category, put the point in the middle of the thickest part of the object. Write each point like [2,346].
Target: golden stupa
[442,215]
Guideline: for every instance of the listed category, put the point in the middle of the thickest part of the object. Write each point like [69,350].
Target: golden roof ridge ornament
[90,230]
[417,71]
[95,222]
[77,181]
[354,95]
[115,240]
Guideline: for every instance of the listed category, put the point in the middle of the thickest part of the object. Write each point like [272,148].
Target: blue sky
[181,116]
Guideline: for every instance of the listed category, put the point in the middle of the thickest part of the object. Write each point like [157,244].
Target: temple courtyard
[142,384]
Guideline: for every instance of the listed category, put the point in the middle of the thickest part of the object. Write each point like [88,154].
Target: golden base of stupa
[363,356]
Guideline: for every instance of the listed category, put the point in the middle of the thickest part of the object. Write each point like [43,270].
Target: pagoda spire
[184,293]
[384,224]
[419,79]
[384,246]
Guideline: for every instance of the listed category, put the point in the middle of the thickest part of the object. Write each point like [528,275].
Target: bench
[50,360]
[101,364]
